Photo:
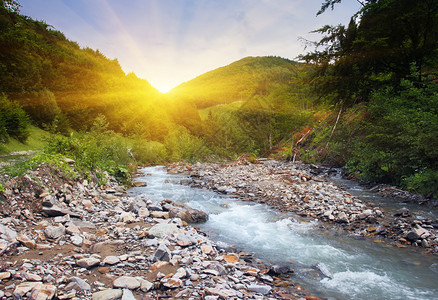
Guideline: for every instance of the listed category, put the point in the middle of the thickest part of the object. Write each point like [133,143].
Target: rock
[143,212]
[188,214]
[162,253]
[72,229]
[99,247]
[126,282]
[145,285]
[87,203]
[4,275]
[184,240]
[54,232]
[88,262]
[77,240]
[323,270]
[128,295]
[82,284]
[126,217]
[259,289]
[216,267]
[171,283]
[25,287]
[342,217]
[110,294]
[26,241]
[48,201]
[7,234]
[32,277]
[160,230]
[206,249]
[160,214]
[111,260]
[139,183]
[231,258]
[412,236]
[43,292]
[55,211]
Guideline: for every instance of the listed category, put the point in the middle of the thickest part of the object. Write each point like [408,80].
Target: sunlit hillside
[238,81]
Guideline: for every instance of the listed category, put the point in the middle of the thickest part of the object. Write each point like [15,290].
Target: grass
[34,142]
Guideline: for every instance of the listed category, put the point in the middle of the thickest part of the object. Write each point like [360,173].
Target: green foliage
[376,49]
[181,145]
[149,152]
[2,189]
[99,149]
[423,182]
[14,121]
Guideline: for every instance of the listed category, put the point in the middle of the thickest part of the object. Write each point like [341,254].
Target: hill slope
[237,81]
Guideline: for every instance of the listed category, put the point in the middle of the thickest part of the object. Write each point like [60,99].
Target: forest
[365,98]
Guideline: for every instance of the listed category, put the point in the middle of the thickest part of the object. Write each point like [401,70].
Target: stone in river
[110,294]
[127,282]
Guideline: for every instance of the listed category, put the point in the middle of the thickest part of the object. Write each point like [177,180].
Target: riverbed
[334,264]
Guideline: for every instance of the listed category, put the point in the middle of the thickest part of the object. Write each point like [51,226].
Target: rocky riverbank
[64,239]
[307,191]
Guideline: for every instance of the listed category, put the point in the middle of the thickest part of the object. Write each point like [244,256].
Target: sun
[163,87]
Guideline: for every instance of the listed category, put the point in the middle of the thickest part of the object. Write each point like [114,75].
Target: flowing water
[357,268]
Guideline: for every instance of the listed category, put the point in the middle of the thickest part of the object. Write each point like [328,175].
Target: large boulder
[185,213]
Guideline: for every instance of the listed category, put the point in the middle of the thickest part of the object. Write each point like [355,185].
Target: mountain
[237,81]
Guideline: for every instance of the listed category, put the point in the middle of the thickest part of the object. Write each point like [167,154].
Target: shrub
[14,121]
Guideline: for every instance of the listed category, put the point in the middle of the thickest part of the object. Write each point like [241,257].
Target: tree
[379,46]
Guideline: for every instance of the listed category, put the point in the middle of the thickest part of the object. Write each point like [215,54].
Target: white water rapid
[356,268]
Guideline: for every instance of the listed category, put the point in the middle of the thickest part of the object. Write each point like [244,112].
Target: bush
[97,150]
[14,121]
[149,152]
[424,182]
[182,146]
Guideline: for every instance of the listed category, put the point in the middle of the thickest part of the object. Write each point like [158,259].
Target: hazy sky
[168,42]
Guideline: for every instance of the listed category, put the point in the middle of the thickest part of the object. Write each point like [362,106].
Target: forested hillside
[61,84]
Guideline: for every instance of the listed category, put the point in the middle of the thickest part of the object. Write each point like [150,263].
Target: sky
[168,42]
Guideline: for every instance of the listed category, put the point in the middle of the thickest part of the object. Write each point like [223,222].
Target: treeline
[379,75]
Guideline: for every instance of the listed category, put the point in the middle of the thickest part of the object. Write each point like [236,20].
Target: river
[357,268]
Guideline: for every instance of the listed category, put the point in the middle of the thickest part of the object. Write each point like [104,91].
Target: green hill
[238,81]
